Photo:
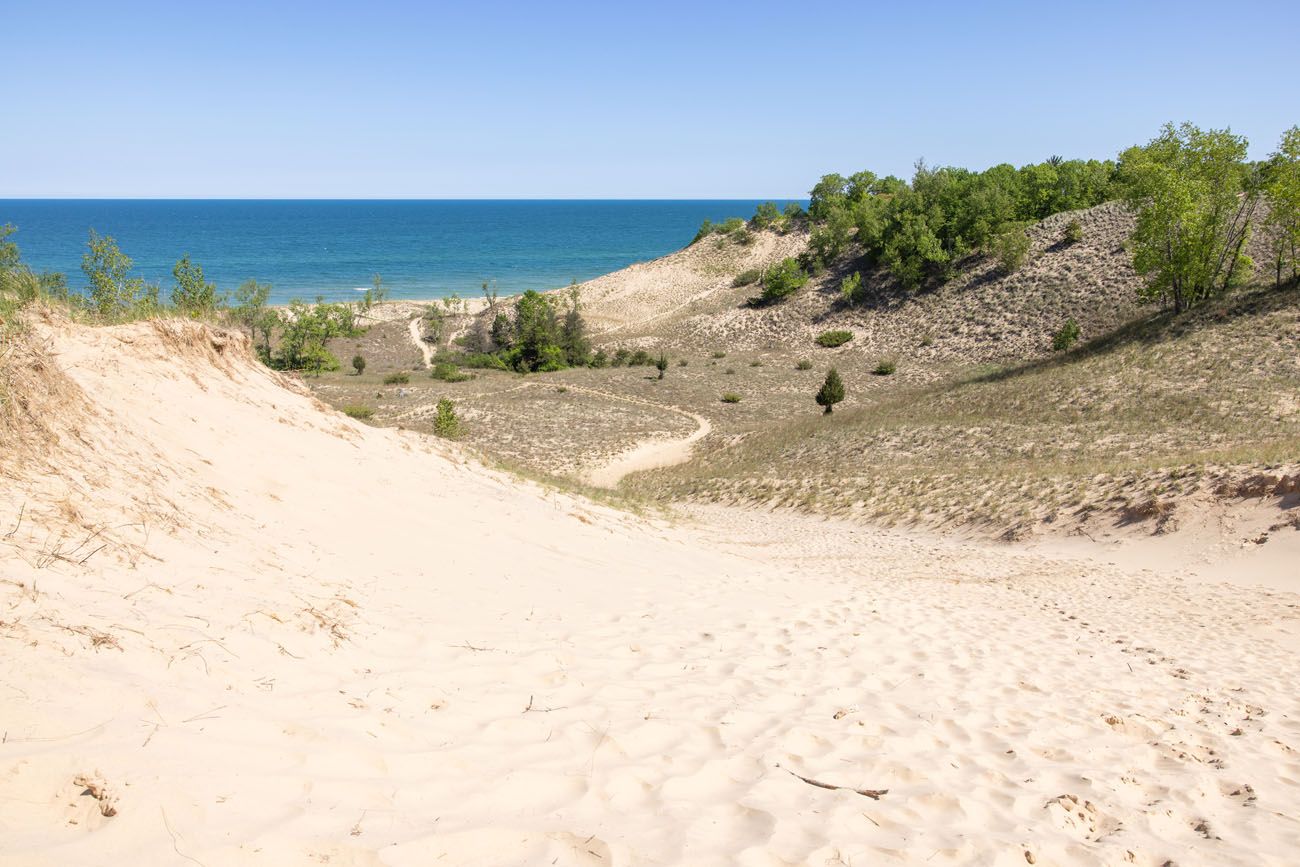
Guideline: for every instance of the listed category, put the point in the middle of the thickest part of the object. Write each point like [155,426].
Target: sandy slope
[309,642]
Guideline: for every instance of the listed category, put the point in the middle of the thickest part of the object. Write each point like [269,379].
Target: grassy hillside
[1161,408]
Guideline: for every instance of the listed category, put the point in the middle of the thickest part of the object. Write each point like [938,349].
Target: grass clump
[401,377]
[730,397]
[360,413]
[834,338]
[804,364]
[885,367]
[719,354]
[747,277]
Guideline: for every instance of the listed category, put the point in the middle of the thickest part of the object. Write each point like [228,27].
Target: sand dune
[308,641]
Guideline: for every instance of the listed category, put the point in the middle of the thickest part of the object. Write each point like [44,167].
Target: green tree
[831,392]
[1282,189]
[573,331]
[831,192]
[446,423]
[193,295]
[305,329]
[251,313]
[661,365]
[113,291]
[1194,199]
[358,364]
[536,335]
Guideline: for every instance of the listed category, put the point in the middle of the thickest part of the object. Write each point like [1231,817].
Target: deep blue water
[422,249]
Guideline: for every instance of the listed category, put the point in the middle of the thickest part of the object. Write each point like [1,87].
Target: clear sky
[607,100]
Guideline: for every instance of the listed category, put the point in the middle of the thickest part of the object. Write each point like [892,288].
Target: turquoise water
[422,249]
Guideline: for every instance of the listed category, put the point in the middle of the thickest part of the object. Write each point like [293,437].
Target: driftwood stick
[873,794]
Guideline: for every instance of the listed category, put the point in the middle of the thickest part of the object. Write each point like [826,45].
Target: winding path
[426,351]
[651,454]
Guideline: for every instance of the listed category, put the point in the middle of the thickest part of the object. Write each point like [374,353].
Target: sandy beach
[306,641]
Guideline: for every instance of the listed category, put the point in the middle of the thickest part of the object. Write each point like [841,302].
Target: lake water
[422,249]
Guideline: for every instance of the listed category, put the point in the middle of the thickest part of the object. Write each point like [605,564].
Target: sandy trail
[312,641]
[649,454]
[426,351]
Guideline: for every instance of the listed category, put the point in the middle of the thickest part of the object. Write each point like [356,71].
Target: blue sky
[655,100]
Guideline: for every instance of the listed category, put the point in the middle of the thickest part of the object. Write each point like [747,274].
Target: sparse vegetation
[748,277]
[661,365]
[834,338]
[730,397]
[885,367]
[445,371]
[804,364]
[361,413]
[401,377]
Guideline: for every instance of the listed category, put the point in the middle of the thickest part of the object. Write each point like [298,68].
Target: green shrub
[885,367]
[399,378]
[719,354]
[747,277]
[783,279]
[1011,247]
[600,359]
[448,372]
[756,363]
[851,288]
[446,423]
[730,397]
[484,361]
[640,358]
[361,413]
[804,364]
[1065,336]
[358,364]
[1073,232]
[832,339]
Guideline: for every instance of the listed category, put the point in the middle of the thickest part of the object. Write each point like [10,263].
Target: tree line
[1196,199]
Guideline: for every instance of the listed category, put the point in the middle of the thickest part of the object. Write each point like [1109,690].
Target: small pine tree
[832,391]
[358,364]
[661,364]
[447,423]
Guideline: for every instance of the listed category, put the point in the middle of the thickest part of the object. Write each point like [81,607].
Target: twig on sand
[873,794]
[21,512]
[168,826]
[531,709]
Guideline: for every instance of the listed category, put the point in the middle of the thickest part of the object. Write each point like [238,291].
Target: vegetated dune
[236,628]
[979,315]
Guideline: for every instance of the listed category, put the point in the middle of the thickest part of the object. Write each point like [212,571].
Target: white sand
[314,642]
